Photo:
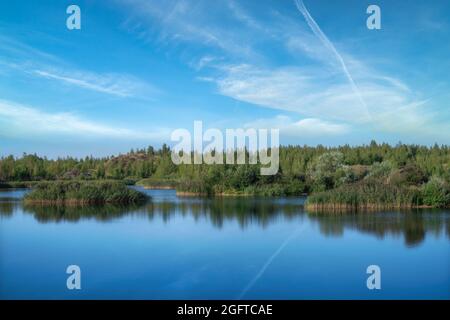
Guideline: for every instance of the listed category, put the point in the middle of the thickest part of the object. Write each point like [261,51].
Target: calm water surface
[231,248]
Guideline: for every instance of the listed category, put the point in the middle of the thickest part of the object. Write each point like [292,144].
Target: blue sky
[139,69]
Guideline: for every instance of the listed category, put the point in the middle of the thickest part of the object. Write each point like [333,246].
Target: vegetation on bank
[365,196]
[84,192]
[154,183]
[361,176]
[404,188]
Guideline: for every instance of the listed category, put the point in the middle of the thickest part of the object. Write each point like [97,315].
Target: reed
[367,196]
[83,192]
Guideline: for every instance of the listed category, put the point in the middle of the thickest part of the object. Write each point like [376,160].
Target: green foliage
[381,170]
[436,193]
[409,174]
[197,186]
[84,192]
[244,176]
[323,169]
[157,183]
[130,181]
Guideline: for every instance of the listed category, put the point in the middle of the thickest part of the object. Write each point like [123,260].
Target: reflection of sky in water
[220,248]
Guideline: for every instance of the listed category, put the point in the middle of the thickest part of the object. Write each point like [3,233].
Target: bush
[436,193]
[380,170]
[408,175]
[325,170]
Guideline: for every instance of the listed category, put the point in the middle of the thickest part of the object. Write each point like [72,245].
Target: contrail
[328,44]
[268,262]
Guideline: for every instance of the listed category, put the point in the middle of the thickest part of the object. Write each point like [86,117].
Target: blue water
[230,248]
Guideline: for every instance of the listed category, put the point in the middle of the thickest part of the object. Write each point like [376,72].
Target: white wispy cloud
[23,50]
[205,61]
[240,15]
[20,120]
[176,21]
[308,91]
[304,127]
[393,107]
[37,63]
[120,85]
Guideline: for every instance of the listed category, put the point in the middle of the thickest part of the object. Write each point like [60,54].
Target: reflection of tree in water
[245,211]
[414,225]
[7,208]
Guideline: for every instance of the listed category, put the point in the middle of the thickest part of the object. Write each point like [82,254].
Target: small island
[83,193]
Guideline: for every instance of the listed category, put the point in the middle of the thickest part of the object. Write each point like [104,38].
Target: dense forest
[403,174]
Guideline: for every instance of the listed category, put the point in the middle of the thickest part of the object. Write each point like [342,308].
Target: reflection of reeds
[7,207]
[76,212]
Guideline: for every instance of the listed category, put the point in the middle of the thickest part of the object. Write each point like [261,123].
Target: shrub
[380,170]
[325,170]
[436,193]
[408,175]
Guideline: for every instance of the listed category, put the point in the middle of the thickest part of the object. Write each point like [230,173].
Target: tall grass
[366,196]
[84,192]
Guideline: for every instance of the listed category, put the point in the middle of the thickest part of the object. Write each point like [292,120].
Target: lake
[224,248]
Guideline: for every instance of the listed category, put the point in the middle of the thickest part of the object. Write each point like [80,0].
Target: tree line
[303,169]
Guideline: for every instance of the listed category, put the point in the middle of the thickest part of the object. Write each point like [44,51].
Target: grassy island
[400,190]
[365,197]
[83,192]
